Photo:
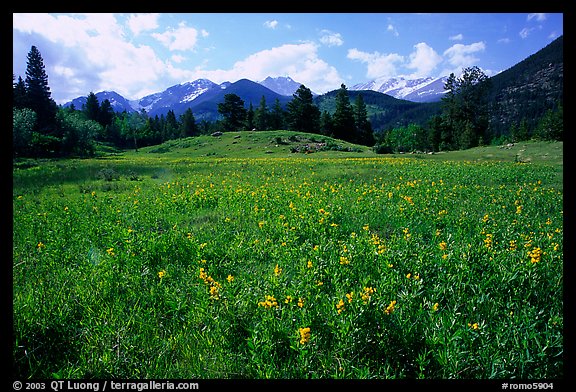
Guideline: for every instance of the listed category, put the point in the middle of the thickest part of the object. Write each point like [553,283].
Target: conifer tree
[343,118]
[302,114]
[38,96]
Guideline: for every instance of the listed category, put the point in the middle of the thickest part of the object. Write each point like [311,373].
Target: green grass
[209,260]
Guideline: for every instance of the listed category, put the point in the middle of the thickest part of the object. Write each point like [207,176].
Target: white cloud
[378,64]
[300,61]
[330,38]
[142,22]
[393,30]
[271,24]
[424,60]
[181,38]
[457,37]
[84,50]
[462,56]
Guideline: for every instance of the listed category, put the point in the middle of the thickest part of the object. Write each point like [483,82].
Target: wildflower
[535,255]
[408,276]
[40,245]
[214,293]
[340,306]
[344,260]
[260,224]
[435,307]
[474,326]
[309,264]
[277,270]
[161,274]
[488,240]
[230,278]
[300,302]
[485,218]
[110,251]
[390,307]
[304,335]
[518,209]
[368,291]
[269,302]
[513,245]
[366,227]
[443,245]
[350,295]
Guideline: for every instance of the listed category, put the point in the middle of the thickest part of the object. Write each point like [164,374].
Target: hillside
[252,144]
[384,111]
[528,89]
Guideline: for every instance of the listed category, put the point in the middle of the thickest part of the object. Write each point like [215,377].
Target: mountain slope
[283,85]
[528,89]
[416,90]
[118,102]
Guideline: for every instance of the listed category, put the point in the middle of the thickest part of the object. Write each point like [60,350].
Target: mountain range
[202,95]
[523,92]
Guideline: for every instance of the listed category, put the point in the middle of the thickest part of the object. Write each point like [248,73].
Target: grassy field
[233,257]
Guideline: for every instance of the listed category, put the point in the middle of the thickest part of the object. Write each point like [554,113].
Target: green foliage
[214,268]
[78,134]
[233,111]
[302,114]
[23,123]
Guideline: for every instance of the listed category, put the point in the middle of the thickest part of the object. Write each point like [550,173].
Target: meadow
[169,264]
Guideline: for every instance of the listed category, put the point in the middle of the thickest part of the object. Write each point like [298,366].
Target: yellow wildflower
[161,274]
[340,306]
[390,307]
[304,335]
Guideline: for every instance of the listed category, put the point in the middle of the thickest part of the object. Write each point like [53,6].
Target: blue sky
[140,54]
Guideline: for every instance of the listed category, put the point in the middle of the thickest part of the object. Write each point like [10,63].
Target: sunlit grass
[355,267]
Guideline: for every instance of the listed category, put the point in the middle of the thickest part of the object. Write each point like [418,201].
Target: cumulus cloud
[330,38]
[142,22]
[462,56]
[424,60]
[378,64]
[83,50]
[181,38]
[300,61]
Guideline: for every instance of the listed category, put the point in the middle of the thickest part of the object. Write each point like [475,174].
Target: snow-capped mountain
[417,90]
[283,85]
[118,102]
[177,94]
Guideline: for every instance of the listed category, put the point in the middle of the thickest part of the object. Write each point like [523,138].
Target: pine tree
[364,133]
[188,124]
[92,107]
[303,115]
[38,96]
[343,118]
[261,115]
[19,94]
[233,111]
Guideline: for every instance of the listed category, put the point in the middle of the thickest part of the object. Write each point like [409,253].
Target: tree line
[41,128]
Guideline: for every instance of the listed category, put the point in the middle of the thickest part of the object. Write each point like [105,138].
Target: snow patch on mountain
[418,90]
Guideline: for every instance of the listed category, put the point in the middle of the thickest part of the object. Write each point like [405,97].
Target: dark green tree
[343,126]
[92,107]
[106,113]
[326,123]
[261,116]
[277,116]
[250,118]
[171,126]
[233,111]
[38,96]
[465,108]
[364,133]
[302,114]
[19,94]
[188,124]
